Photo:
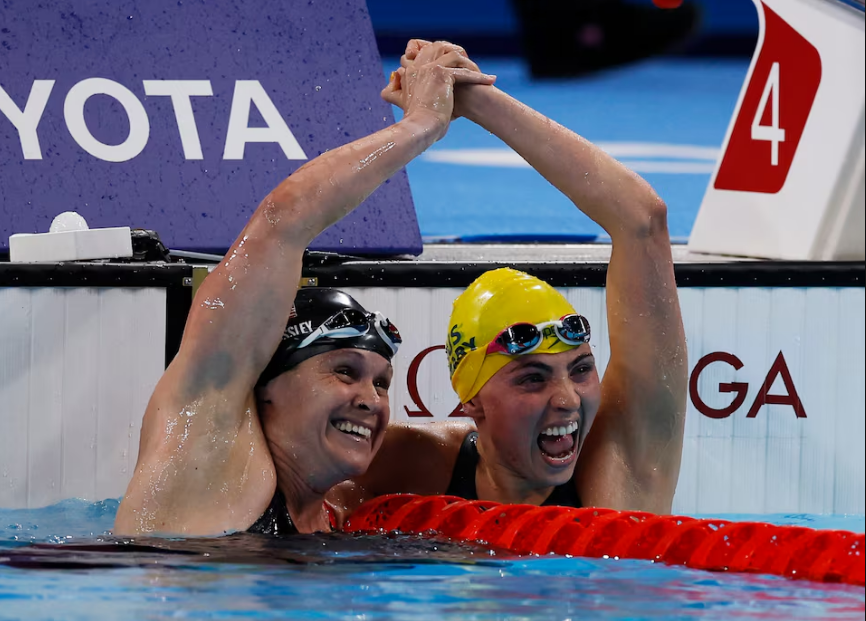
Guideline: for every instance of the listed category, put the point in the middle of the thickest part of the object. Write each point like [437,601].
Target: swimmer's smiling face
[326,418]
[534,413]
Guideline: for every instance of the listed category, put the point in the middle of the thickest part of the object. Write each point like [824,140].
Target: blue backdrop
[720,17]
[181,116]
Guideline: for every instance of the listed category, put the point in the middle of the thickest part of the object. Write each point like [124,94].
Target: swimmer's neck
[304,503]
[498,484]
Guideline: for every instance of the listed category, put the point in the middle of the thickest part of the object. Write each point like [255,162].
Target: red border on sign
[789,63]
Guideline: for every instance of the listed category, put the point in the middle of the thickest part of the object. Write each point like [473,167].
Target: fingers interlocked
[427,75]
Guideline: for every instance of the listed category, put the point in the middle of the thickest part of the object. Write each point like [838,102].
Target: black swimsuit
[463,480]
[276,520]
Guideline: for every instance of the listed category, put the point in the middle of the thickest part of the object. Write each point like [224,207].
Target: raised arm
[203,465]
[631,457]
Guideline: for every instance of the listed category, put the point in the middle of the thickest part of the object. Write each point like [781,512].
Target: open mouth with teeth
[558,444]
[351,429]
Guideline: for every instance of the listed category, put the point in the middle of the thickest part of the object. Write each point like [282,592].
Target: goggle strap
[379,321]
[386,336]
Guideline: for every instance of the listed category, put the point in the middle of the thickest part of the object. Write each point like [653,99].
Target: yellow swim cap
[496,300]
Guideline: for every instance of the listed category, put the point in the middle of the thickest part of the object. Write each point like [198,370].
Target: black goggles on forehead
[351,323]
[524,338]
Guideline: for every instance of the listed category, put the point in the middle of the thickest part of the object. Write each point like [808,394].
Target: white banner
[77,368]
[776,401]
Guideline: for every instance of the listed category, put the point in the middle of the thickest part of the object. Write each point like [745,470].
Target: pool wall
[81,349]
[776,353]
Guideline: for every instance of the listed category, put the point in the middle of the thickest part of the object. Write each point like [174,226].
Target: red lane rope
[715,545]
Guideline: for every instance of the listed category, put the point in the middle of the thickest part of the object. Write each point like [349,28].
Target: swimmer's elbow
[650,218]
[289,213]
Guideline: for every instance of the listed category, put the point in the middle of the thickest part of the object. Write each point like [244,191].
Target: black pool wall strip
[763,274]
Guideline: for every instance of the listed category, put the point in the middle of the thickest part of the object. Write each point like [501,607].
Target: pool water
[60,563]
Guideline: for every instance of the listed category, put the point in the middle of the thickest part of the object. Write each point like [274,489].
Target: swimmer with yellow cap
[522,366]
[521,363]
[546,429]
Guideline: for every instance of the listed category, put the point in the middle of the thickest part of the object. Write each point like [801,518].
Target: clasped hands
[425,83]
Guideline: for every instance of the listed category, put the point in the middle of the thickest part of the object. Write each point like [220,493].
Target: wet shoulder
[416,459]
[445,436]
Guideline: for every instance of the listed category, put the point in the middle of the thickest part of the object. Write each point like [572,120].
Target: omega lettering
[456,350]
[779,369]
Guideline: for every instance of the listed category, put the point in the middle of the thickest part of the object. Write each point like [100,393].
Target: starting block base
[790,184]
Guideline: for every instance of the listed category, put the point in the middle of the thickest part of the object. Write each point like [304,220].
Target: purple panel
[316,61]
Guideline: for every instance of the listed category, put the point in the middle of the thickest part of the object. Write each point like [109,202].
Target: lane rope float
[833,556]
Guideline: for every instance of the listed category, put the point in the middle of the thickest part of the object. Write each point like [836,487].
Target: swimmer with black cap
[547,430]
[276,394]
[335,345]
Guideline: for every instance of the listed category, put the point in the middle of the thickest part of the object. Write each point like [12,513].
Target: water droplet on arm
[214,304]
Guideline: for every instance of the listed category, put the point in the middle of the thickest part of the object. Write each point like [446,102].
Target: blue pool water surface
[60,563]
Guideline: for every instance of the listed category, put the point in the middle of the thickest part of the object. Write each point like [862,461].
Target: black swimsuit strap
[564,495]
[275,520]
[463,478]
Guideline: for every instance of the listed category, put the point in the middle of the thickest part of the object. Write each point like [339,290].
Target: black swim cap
[313,307]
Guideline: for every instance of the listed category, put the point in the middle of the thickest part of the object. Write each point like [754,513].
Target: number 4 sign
[792,178]
[771,133]
[774,112]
